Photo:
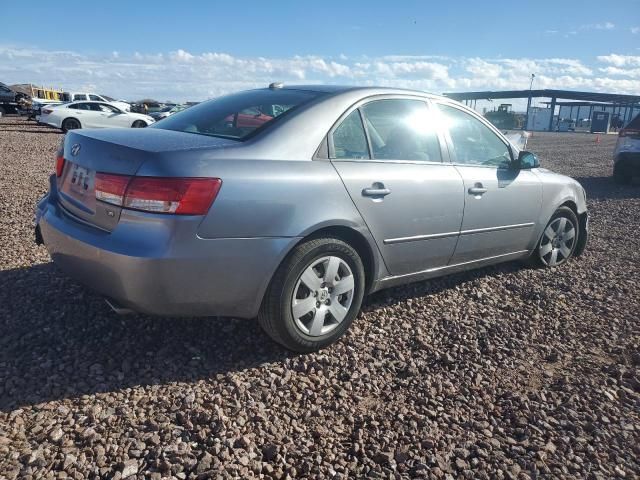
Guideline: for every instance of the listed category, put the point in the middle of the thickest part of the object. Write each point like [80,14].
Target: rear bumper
[159,270]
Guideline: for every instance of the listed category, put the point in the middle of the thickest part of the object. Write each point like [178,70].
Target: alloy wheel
[558,241]
[322,296]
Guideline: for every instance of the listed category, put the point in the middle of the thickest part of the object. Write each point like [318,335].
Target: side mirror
[527,161]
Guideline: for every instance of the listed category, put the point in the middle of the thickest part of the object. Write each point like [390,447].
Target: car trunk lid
[118,152]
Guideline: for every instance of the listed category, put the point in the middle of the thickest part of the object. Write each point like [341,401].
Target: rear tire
[139,124]
[70,124]
[621,174]
[314,296]
[559,240]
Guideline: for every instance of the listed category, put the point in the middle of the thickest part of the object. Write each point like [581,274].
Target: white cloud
[635,30]
[598,26]
[621,60]
[605,26]
[181,75]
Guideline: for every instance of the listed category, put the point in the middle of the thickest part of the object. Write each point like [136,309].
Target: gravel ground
[505,372]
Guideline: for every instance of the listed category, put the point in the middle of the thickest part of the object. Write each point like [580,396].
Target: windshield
[239,115]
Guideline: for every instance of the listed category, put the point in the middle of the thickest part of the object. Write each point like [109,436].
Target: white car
[70,116]
[94,97]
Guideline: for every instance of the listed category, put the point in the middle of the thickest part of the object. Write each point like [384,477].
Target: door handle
[478,189]
[376,190]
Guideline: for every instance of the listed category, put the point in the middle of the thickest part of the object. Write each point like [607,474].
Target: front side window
[473,142]
[401,130]
[83,106]
[95,98]
[349,139]
[240,115]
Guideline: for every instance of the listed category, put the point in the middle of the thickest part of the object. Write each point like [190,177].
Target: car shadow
[399,294]
[60,340]
[602,188]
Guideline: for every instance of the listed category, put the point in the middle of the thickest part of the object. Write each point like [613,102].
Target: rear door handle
[477,189]
[376,190]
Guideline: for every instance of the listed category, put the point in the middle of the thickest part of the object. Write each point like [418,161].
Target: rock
[56,434]
[269,452]
[129,468]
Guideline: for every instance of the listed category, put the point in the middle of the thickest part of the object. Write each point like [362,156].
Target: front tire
[314,296]
[139,124]
[559,239]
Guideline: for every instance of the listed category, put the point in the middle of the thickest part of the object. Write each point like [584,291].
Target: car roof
[373,90]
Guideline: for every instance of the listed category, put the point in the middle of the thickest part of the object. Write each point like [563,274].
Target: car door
[389,155]
[82,111]
[501,203]
[112,117]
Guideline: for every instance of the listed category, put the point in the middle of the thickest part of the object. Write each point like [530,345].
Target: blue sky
[195,50]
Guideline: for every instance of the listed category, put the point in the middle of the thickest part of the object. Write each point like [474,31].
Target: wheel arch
[572,205]
[358,241]
[361,242]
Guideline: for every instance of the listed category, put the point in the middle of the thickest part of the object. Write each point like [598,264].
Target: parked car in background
[626,155]
[37,104]
[10,100]
[94,97]
[167,111]
[74,115]
[342,191]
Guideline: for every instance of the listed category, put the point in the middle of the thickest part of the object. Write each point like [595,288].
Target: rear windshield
[237,116]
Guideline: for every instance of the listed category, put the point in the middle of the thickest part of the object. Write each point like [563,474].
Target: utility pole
[526,121]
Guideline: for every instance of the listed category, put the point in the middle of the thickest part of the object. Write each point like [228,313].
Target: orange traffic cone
[597,139]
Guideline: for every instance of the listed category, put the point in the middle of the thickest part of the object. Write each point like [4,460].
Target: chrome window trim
[445,159]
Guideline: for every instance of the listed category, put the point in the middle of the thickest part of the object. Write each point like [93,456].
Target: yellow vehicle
[45,93]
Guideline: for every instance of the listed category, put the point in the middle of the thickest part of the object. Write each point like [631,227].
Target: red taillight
[47,111]
[183,196]
[59,165]
[111,188]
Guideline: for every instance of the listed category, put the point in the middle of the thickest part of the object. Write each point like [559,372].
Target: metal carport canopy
[565,94]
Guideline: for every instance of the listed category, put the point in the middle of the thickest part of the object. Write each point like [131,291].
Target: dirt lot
[505,372]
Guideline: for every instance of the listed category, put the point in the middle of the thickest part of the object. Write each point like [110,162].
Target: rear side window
[83,106]
[240,115]
[349,139]
[473,142]
[401,130]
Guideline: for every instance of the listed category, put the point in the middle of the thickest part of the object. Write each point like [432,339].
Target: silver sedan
[290,204]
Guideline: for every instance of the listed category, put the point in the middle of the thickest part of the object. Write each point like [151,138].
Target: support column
[553,109]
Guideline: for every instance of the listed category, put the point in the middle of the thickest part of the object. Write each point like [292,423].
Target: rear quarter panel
[267,198]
